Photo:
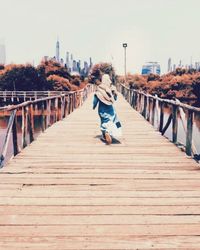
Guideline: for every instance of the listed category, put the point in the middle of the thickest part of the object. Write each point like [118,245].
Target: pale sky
[154,30]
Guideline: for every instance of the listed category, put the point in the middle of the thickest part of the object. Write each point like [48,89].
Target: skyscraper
[90,62]
[2,54]
[169,69]
[57,51]
[67,60]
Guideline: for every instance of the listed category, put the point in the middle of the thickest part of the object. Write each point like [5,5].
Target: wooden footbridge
[68,190]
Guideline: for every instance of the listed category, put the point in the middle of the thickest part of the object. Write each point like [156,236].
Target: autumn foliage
[99,69]
[59,83]
[49,75]
[181,84]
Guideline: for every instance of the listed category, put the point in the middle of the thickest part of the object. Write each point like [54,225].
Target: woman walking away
[105,96]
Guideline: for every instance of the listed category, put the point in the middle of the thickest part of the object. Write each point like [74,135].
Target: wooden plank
[103,243]
[100,230]
[99,201]
[107,176]
[58,193]
[99,210]
[99,220]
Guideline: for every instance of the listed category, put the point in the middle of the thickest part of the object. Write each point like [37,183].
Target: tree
[59,83]
[51,67]
[20,77]
[102,68]
[196,87]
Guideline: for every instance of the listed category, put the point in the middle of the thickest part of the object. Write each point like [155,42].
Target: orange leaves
[178,84]
[101,68]
[60,83]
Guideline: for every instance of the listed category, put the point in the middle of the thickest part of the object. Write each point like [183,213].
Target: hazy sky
[154,30]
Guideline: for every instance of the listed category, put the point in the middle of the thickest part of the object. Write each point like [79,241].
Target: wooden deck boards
[68,190]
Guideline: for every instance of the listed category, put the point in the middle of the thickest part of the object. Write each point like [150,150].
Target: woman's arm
[95,101]
[114,92]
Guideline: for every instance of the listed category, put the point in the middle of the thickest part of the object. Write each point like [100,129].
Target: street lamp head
[124,45]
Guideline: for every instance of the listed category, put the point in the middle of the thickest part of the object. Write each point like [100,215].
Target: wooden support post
[148,108]
[74,100]
[14,133]
[141,103]
[68,103]
[49,113]
[71,103]
[7,138]
[24,127]
[31,123]
[47,116]
[161,116]
[144,112]
[65,106]
[62,107]
[43,117]
[153,112]
[189,133]
[157,112]
[167,124]
[174,123]
[132,99]
[130,96]
[56,109]
[136,100]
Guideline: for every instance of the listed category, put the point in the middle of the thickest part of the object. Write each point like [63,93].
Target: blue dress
[106,113]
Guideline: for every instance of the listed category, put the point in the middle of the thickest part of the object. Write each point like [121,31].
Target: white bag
[113,130]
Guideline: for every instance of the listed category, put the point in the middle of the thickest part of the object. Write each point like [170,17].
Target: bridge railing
[28,95]
[51,109]
[152,109]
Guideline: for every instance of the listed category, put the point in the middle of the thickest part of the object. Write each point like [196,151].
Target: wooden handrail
[66,103]
[141,102]
[179,104]
[49,97]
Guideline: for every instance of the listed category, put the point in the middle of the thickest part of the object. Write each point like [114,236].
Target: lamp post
[124,46]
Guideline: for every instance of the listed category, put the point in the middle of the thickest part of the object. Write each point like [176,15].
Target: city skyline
[155,30]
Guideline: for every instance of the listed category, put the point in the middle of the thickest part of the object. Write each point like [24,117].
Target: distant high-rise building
[2,54]
[57,51]
[197,65]
[174,67]
[74,66]
[169,65]
[67,60]
[151,68]
[90,62]
[79,66]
